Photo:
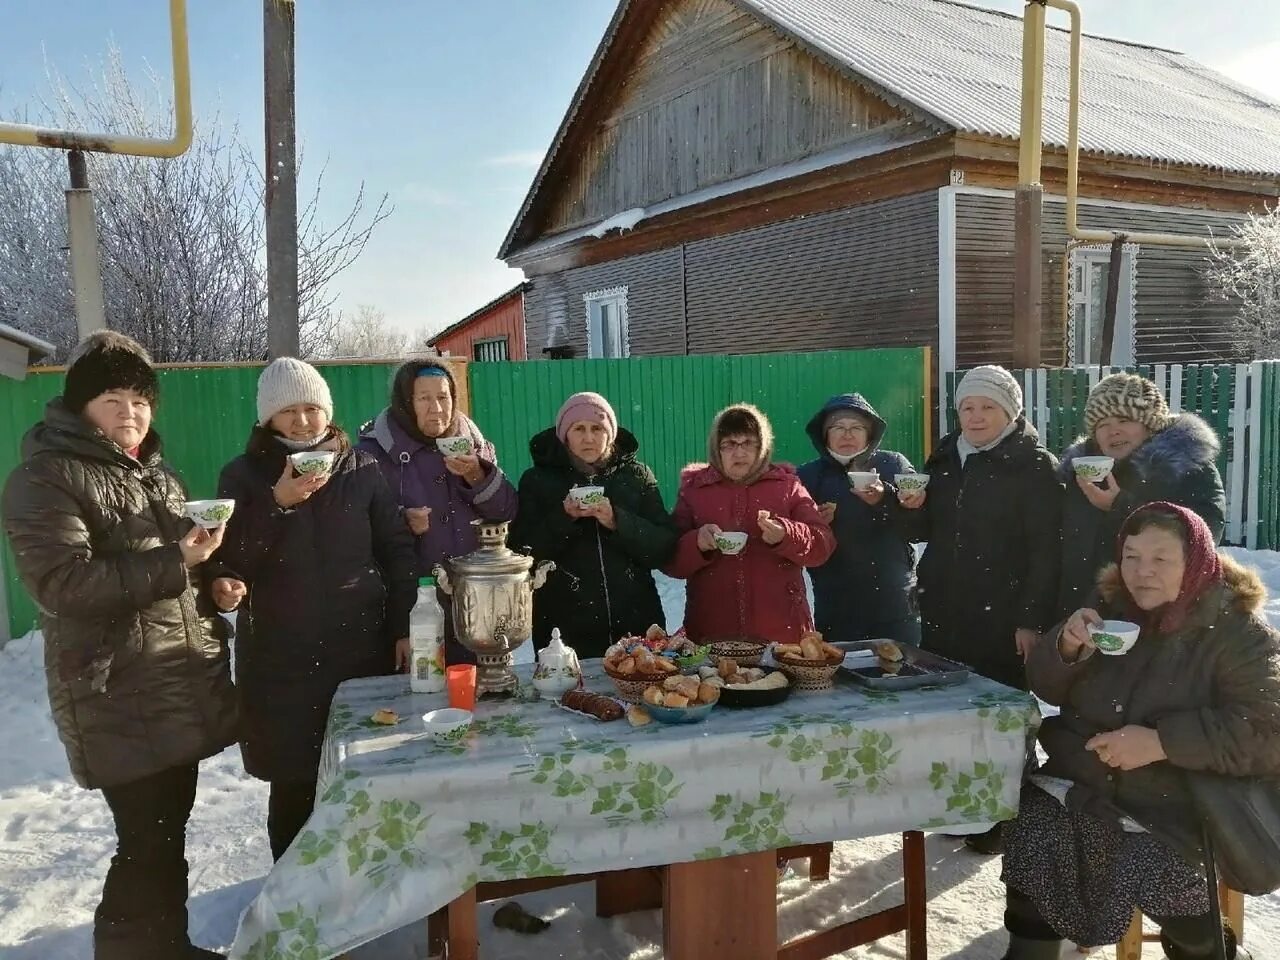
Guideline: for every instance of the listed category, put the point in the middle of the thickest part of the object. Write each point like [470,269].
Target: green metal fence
[669,402]
[1240,401]
[206,412]
[204,416]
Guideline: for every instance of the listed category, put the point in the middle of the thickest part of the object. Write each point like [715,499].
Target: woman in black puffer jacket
[331,572]
[135,657]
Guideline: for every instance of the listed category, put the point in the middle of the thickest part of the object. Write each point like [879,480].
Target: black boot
[200,953]
[988,844]
[1175,951]
[1023,948]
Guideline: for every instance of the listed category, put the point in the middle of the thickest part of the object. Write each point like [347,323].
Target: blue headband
[432,370]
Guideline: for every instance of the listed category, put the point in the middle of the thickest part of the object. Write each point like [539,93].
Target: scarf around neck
[966,449]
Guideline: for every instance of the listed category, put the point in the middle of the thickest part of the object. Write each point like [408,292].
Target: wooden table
[724,907]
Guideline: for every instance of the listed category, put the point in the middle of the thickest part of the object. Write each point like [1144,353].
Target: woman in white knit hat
[988,581]
[331,572]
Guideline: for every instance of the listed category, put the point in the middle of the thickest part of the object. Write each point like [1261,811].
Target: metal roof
[458,325]
[963,65]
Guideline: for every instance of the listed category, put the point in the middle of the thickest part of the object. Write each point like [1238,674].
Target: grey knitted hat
[289,381]
[994,383]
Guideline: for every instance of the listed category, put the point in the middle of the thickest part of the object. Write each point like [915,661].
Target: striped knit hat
[1130,397]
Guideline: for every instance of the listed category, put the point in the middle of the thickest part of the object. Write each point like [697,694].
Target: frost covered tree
[1250,275]
[366,333]
[182,240]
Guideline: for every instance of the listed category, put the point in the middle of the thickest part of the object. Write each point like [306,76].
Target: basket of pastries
[810,664]
[744,651]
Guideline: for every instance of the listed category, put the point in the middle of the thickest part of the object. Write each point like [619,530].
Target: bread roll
[638,716]
[675,700]
[653,695]
[707,693]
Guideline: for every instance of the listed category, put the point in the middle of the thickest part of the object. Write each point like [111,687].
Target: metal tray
[920,669]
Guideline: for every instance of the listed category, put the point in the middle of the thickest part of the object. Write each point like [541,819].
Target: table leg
[454,932]
[914,889]
[721,908]
[627,891]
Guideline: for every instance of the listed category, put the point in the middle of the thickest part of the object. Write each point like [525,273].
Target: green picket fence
[205,413]
[1240,401]
[669,402]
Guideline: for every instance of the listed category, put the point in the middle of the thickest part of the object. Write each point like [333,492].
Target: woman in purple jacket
[439,495]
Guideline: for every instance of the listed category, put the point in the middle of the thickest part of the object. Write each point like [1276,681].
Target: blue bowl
[679,714]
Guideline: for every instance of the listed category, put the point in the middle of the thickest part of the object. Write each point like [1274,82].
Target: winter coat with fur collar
[1211,689]
[1176,465]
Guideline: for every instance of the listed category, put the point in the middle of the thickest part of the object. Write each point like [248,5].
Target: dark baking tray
[746,699]
[920,669]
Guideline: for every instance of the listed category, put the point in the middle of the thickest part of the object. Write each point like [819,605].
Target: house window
[492,349]
[607,336]
[1090,269]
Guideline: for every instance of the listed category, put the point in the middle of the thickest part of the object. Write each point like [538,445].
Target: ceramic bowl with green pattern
[210,513]
[448,725]
[1114,637]
[587,496]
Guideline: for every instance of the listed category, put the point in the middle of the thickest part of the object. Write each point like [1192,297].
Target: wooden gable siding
[713,95]
[861,276]
[1176,318]
[505,320]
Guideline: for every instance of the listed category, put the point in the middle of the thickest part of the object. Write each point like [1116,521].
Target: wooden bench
[1130,946]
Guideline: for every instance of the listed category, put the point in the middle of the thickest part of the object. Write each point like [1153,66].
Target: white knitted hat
[994,383]
[289,381]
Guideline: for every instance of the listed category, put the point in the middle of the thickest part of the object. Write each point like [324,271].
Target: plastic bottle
[426,637]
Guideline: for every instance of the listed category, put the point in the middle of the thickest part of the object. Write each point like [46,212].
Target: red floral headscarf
[1203,570]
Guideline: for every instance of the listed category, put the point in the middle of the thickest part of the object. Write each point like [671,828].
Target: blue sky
[447,105]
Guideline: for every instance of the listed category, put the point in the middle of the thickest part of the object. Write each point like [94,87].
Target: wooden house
[759,175]
[493,332]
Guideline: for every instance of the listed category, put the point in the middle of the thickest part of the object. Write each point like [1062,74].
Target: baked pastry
[626,666]
[638,716]
[675,700]
[595,704]
[888,650]
[707,693]
[653,695]
[388,718]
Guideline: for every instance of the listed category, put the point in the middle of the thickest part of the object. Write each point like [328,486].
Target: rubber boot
[1022,948]
[988,844]
[1177,951]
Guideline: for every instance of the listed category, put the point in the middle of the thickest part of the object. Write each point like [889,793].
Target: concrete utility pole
[82,235]
[1029,198]
[281,178]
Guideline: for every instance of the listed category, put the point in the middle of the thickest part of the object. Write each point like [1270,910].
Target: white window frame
[1124,347]
[596,337]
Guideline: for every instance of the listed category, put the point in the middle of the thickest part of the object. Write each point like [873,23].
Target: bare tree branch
[182,240]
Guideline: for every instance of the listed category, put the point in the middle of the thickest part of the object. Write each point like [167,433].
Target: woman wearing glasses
[757,591]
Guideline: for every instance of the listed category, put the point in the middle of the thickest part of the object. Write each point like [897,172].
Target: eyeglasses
[848,430]
[728,446]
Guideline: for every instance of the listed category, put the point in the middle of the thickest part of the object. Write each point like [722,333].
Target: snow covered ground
[56,842]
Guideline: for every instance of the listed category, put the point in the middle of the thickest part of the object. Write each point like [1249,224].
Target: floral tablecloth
[404,825]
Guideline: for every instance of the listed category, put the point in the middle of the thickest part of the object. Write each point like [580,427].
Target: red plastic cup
[461,682]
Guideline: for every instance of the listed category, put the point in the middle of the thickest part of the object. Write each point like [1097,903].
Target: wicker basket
[809,674]
[745,651]
[631,686]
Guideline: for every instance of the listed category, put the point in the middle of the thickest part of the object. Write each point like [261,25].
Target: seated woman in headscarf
[1199,691]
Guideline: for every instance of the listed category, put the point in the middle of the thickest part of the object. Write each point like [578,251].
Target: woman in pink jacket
[760,591]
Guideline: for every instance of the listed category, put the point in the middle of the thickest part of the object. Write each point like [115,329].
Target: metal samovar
[491,596]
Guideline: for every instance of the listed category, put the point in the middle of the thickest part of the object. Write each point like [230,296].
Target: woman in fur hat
[136,660]
[1157,457]
[1103,824]
[760,591]
[332,577]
